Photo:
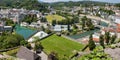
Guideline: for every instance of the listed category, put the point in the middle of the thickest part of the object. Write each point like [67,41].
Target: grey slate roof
[26,54]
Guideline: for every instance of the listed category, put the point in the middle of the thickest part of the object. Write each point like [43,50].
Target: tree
[9,22]
[43,19]
[87,23]
[107,37]
[75,19]
[23,42]
[101,38]
[38,46]
[48,31]
[52,56]
[30,18]
[75,26]
[91,44]
[113,39]
[83,22]
[11,40]
[42,28]
[54,22]
[29,46]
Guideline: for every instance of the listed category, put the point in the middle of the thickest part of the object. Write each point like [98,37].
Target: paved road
[96,18]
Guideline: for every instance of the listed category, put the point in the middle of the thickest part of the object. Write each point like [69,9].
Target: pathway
[43,56]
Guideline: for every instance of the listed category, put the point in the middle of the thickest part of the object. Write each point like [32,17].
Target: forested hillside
[28,4]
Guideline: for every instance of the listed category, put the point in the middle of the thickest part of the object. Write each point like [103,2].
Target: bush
[12,52]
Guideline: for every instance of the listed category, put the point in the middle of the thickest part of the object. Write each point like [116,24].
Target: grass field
[61,46]
[54,17]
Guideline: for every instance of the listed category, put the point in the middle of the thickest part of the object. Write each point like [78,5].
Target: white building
[59,28]
[40,35]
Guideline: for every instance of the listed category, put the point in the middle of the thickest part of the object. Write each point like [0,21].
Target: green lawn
[61,46]
[54,17]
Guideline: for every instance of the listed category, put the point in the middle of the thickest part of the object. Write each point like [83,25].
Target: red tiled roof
[96,39]
[118,28]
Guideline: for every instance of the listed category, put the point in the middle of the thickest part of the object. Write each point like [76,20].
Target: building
[59,28]
[39,35]
[26,54]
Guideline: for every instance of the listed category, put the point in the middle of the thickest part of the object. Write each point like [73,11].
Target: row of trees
[107,39]
[102,40]
[86,24]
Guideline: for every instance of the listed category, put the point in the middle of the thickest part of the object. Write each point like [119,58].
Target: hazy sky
[112,1]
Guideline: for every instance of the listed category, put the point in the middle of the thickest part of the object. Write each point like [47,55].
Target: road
[95,17]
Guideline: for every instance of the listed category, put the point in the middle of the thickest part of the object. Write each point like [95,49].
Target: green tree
[29,46]
[52,56]
[107,37]
[42,28]
[91,43]
[10,42]
[43,19]
[38,46]
[75,26]
[113,38]
[48,31]
[101,38]
[83,22]
[54,22]
[23,42]
[30,18]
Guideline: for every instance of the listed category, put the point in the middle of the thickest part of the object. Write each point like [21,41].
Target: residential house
[24,24]
[25,54]
[59,28]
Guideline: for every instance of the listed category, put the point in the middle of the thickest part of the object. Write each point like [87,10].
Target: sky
[111,1]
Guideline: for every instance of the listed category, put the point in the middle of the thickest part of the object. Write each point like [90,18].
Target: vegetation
[91,43]
[102,41]
[43,19]
[54,17]
[110,12]
[113,38]
[107,37]
[57,5]
[27,4]
[30,18]
[87,24]
[118,5]
[62,46]
[38,46]
[52,56]
[10,40]
[12,52]
[97,54]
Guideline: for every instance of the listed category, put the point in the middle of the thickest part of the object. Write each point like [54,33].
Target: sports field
[61,46]
[54,17]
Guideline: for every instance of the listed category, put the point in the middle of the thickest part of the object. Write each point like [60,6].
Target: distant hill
[83,3]
[28,4]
